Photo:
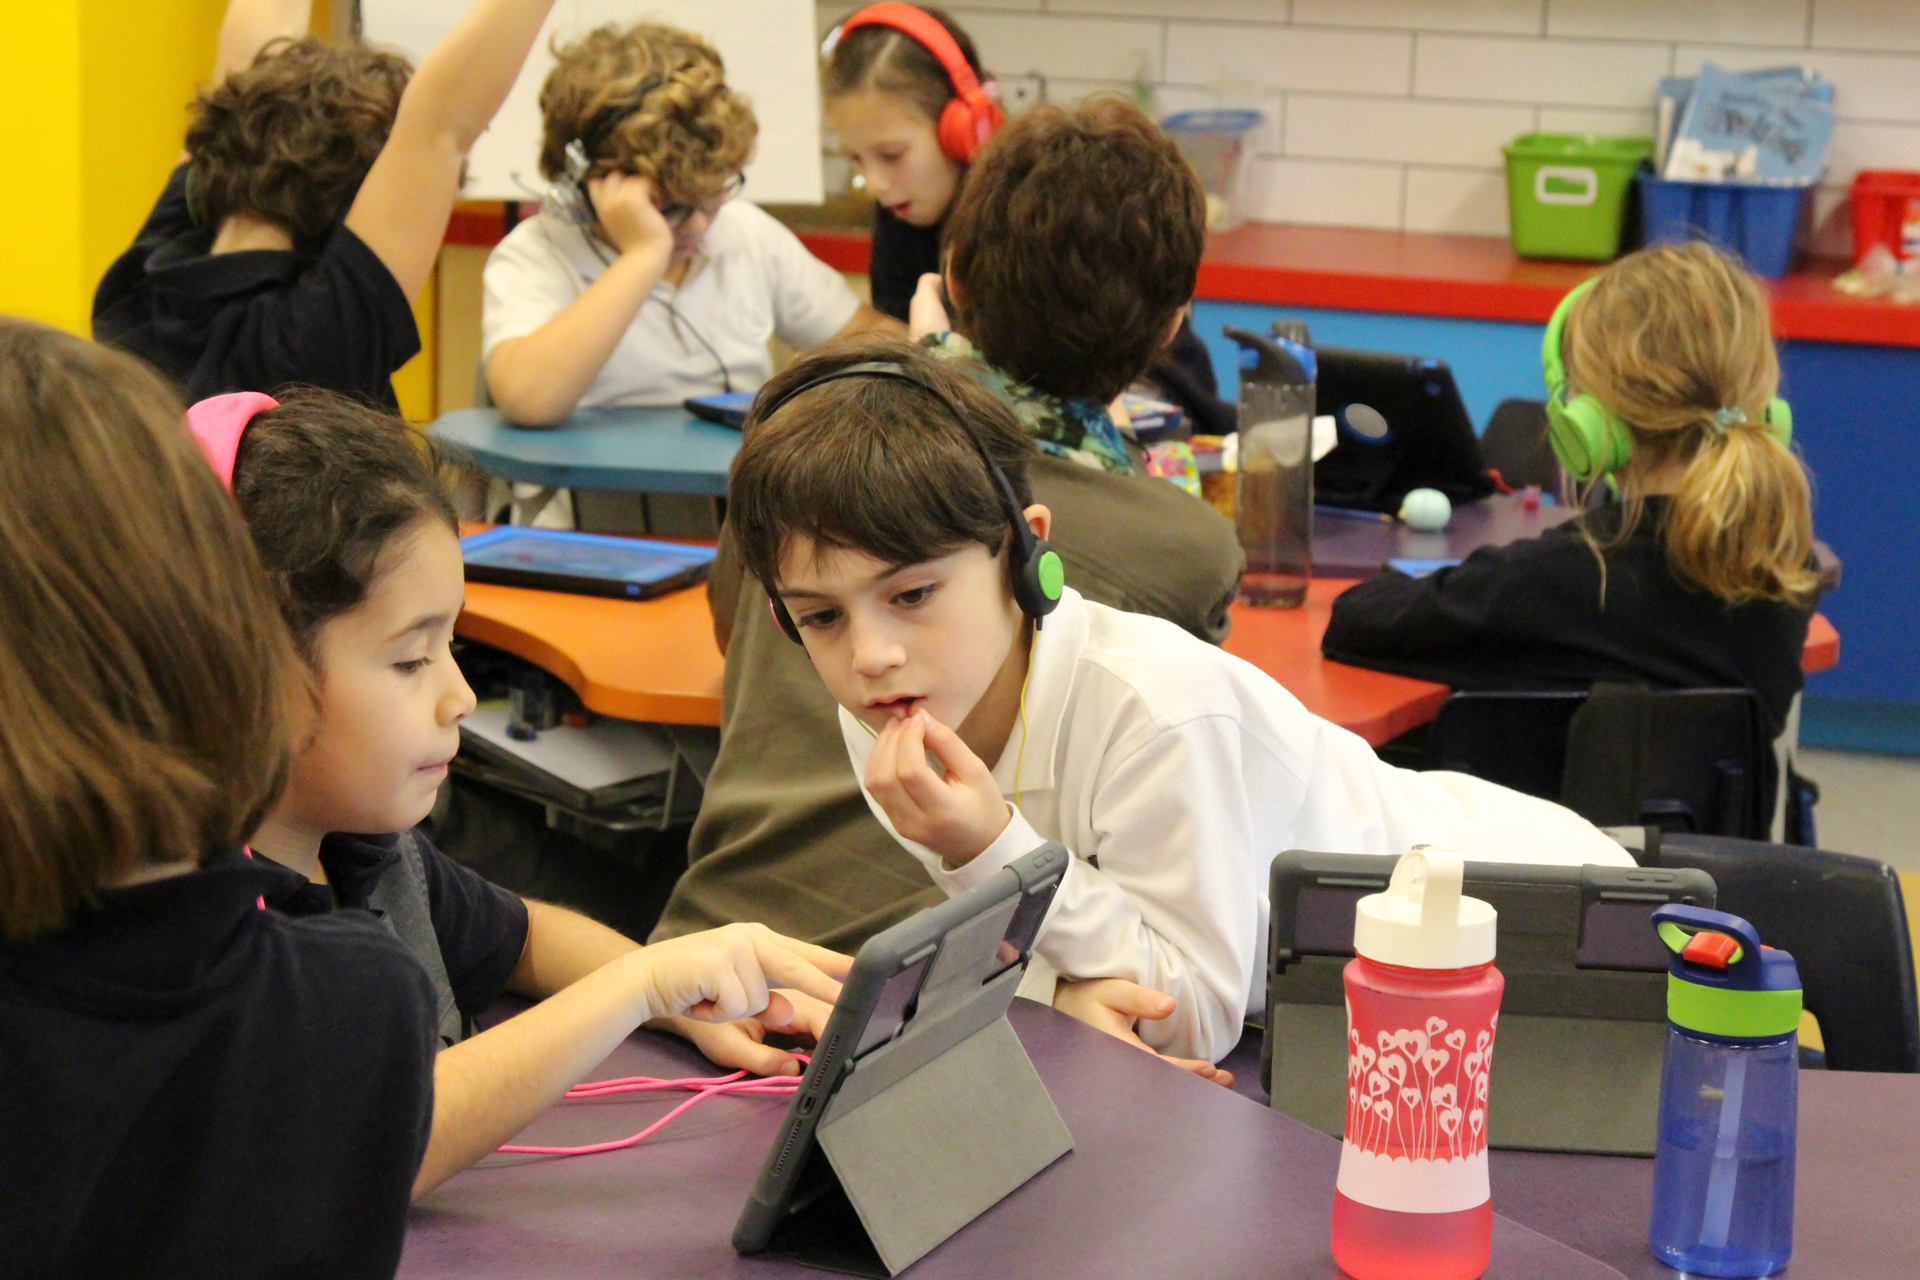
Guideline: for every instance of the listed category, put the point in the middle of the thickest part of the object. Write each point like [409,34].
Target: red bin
[1886,212]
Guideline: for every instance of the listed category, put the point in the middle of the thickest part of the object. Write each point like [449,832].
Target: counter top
[1468,277]
[1401,272]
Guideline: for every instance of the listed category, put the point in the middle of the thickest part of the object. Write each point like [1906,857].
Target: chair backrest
[1681,759]
[1518,740]
[1515,444]
[1845,923]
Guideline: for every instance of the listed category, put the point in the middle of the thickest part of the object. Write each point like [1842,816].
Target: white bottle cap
[1421,921]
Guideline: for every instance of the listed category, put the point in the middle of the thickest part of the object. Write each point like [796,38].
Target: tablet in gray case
[920,1110]
[1583,1021]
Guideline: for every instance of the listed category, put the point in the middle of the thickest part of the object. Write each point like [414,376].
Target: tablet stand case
[930,1131]
[1583,1022]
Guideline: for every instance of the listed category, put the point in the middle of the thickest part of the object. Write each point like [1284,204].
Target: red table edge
[1805,305]
[1822,649]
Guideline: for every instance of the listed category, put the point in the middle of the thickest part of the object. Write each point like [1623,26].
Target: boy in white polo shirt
[881,494]
[642,281]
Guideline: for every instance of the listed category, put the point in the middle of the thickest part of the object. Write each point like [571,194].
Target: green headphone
[1039,575]
[1591,440]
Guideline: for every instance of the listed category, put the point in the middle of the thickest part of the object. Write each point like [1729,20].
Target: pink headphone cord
[702,1087]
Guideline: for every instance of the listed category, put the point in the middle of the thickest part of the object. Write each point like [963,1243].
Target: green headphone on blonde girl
[1590,439]
[1661,373]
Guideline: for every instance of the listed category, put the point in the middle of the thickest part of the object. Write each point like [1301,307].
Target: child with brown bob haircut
[883,502]
[194,1086]
[783,833]
[309,207]
[642,280]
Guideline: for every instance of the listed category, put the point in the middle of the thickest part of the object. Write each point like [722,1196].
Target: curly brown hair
[1075,242]
[290,138]
[649,100]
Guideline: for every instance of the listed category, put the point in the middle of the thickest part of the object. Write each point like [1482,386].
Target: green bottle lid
[1721,982]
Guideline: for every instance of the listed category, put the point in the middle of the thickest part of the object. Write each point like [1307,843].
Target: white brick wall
[1391,113]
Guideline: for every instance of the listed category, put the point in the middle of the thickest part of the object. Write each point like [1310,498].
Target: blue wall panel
[1493,360]
[1856,419]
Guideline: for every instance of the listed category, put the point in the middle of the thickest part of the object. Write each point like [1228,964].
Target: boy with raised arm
[882,498]
[309,205]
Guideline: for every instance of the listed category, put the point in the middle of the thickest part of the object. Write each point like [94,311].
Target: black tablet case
[1583,1021]
[1430,442]
[928,1131]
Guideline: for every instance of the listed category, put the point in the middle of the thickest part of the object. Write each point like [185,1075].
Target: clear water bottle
[1423,1004]
[1729,1099]
[1273,495]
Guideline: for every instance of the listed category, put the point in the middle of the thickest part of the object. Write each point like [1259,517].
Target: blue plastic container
[1729,1099]
[1758,223]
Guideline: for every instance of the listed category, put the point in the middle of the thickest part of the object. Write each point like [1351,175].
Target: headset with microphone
[568,199]
[1039,575]
[971,115]
[1590,439]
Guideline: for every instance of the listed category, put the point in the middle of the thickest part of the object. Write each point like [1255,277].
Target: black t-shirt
[901,253]
[191,1086]
[481,928]
[1529,616]
[257,320]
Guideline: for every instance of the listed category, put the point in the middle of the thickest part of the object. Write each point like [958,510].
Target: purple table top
[1856,1187]
[1351,547]
[1170,1177]
[1358,546]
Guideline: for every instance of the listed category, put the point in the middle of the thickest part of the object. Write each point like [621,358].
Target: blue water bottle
[1729,1099]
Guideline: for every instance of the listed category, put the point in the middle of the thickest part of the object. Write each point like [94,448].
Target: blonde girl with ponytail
[1675,343]
[1698,574]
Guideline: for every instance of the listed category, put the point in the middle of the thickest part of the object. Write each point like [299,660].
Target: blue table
[650,450]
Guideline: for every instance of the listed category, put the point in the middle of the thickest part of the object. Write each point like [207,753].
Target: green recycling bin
[1567,193]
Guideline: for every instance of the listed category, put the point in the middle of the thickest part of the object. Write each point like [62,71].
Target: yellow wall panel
[41,268]
[140,63]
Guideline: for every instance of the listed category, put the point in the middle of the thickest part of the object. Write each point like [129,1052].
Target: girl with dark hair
[359,539]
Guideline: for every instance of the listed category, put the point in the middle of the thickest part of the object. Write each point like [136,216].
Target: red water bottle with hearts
[1423,1003]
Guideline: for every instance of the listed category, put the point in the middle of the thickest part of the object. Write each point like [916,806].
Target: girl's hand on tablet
[956,816]
[1114,1005]
[725,974]
[741,1044]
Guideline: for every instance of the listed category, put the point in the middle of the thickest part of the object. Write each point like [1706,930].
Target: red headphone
[970,116]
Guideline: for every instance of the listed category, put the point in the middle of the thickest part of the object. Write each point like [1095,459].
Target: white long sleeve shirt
[751,280]
[1174,772]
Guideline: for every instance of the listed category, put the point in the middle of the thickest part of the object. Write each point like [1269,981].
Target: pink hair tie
[218,422]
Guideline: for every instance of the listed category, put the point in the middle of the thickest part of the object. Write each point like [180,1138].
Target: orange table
[656,659]
[636,659]
[1285,643]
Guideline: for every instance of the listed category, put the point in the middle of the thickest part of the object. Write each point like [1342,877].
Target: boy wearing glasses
[642,281]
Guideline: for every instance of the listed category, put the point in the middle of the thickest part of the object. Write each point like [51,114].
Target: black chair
[1515,444]
[1695,760]
[1845,923]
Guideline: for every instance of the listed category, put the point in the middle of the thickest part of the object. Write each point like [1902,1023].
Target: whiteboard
[770,47]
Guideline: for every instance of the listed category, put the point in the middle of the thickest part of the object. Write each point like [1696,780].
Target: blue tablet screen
[575,555]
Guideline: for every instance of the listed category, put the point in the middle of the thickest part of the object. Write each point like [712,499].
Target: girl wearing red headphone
[912,108]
